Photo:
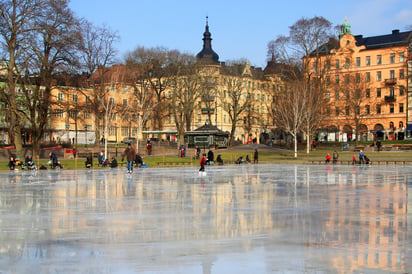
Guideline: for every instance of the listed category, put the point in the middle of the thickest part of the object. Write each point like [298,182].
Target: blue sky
[240,28]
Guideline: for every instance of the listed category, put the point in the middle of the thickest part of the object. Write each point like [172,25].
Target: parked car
[129,140]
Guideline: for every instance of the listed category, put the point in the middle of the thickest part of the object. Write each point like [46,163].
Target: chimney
[395,32]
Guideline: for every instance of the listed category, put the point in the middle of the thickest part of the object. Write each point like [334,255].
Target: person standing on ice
[202,163]
[130,155]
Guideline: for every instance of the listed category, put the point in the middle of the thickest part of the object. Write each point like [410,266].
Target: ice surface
[236,219]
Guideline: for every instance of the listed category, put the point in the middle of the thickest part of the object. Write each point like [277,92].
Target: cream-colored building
[258,83]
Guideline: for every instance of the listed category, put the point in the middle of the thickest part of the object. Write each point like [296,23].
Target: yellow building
[366,87]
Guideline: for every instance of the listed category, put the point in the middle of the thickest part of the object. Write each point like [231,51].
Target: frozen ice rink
[236,219]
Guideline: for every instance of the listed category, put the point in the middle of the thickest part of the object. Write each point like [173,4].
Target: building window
[378,109]
[327,64]
[124,131]
[327,80]
[392,91]
[315,66]
[337,65]
[347,78]
[401,57]
[368,77]
[378,92]
[358,61]
[125,102]
[337,79]
[58,113]
[111,101]
[337,95]
[73,114]
[367,109]
[391,108]
[379,59]
[392,74]
[327,97]
[368,60]
[60,97]
[347,94]
[347,62]
[337,111]
[400,108]
[328,112]
[401,90]
[401,74]
[74,98]
[357,94]
[392,58]
[199,118]
[86,115]
[378,76]
[357,77]
[347,111]
[357,110]
[368,93]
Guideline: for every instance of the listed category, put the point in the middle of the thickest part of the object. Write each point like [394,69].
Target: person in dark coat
[113,163]
[256,157]
[89,161]
[210,157]
[130,155]
[138,160]
[219,160]
[12,163]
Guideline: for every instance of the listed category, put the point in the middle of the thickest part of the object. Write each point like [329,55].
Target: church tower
[207,55]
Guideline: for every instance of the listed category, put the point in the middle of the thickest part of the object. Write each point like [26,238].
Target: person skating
[130,155]
[202,163]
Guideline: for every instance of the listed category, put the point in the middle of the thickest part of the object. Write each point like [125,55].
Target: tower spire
[207,54]
[345,28]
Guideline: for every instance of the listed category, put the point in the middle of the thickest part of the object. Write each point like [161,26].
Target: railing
[391,81]
[390,98]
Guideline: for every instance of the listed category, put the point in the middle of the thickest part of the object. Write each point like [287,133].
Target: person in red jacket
[327,158]
[202,162]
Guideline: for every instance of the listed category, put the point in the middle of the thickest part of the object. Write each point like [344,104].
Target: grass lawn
[229,156]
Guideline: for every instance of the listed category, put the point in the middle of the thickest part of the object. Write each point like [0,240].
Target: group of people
[240,160]
[334,158]
[363,159]
[15,163]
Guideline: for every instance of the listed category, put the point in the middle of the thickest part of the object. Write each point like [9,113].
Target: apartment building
[367,87]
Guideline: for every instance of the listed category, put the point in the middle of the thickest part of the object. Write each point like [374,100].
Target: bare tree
[185,85]
[289,107]
[307,47]
[142,95]
[156,65]
[17,19]
[49,45]
[353,99]
[236,101]
[98,55]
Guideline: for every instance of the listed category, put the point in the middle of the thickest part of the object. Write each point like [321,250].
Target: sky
[241,29]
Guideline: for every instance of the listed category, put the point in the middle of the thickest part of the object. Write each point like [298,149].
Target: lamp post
[115,128]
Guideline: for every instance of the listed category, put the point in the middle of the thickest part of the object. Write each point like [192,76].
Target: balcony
[389,99]
[390,82]
[208,110]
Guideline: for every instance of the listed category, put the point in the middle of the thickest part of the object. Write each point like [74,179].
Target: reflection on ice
[236,219]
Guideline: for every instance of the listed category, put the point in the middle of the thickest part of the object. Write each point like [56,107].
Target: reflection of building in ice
[348,218]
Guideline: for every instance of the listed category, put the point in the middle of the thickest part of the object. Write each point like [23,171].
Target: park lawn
[229,157]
